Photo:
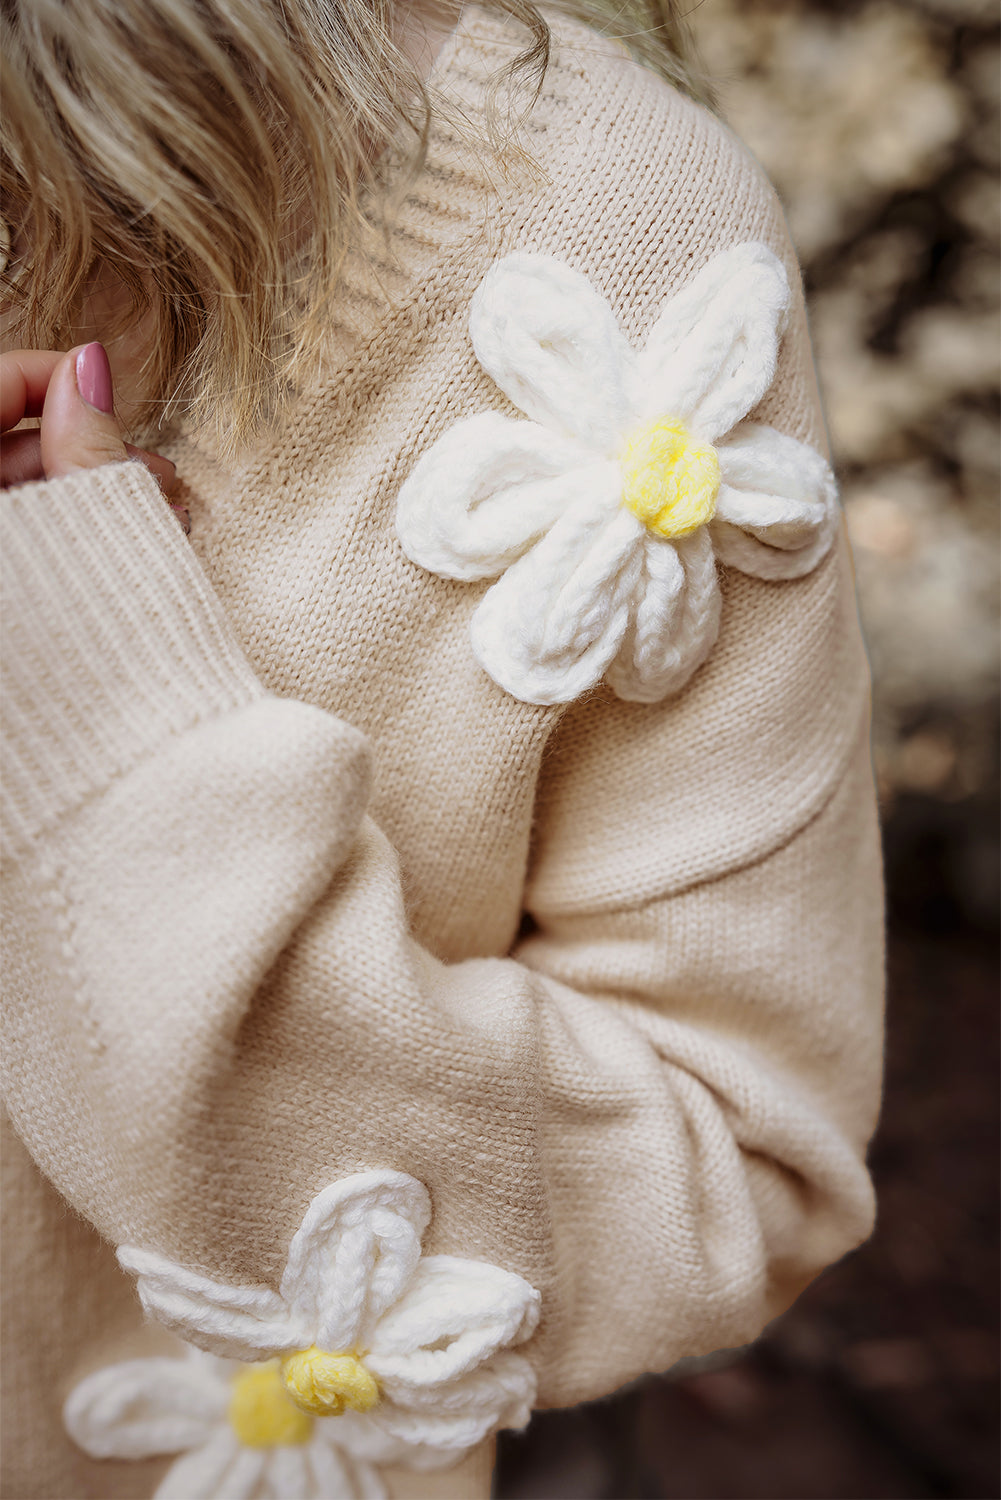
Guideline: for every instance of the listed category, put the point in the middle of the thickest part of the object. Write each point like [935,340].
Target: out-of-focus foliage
[878,122]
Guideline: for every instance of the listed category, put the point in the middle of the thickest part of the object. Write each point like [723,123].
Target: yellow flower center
[260,1412]
[325,1384]
[669,480]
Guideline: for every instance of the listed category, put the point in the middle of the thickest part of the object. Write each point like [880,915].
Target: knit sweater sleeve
[740,1004]
[653,1110]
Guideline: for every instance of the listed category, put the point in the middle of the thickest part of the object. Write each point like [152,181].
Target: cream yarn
[412,1358]
[603,515]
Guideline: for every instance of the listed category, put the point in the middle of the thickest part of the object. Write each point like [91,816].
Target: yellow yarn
[325,1384]
[669,480]
[260,1412]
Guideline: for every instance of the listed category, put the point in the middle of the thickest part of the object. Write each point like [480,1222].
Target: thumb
[79,429]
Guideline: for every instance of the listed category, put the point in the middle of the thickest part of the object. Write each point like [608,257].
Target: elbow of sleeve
[807,1224]
[177,894]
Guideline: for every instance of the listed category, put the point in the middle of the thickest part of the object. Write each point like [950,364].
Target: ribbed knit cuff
[112,640]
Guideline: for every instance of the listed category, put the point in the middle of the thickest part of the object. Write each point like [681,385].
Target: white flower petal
[205,1473]
[454,1419]
[486,490]
[358,1437]
[243,1480]
[355,1251]
[368,1484]
[657,606]
[244,1323]
[546,630]
[288,1475]
[452,1317]
[553,346]
[497,1393]
[674,623]
[776,512]
[710,357]
[143,1407]
[338,1475]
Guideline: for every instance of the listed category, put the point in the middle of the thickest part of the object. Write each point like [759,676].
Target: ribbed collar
[465,190]
[444,226]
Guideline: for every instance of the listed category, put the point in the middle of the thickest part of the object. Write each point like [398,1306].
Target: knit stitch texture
[296,891]
[607,511]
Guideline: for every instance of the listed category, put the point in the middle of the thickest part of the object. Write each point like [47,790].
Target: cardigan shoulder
[631,182]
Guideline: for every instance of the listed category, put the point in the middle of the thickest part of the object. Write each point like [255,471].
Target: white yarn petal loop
[427,1343]
[145,1407]
[711,355]
[547,630]
[437,1436]
[777,509]
[356,1249]
[212,1470]
[338,1472]
[236,1322]
[437,1416]
[241,1475]
[601,514]
[454,1315]
[675,626]
[289,1471]
[488,489]
[552,345]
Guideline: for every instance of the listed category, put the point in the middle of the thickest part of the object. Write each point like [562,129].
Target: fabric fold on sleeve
[655,1115]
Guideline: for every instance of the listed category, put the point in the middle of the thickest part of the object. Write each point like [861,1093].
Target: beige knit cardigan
[295,891]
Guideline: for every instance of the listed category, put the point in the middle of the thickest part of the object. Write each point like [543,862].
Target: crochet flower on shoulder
[369,1354]
[602,516]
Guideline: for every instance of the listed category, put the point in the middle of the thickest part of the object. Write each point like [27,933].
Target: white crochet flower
[602,516]
[236,1430]
[368,1354]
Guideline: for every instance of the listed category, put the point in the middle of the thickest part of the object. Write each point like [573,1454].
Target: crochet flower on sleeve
[369,1354]
[603,514]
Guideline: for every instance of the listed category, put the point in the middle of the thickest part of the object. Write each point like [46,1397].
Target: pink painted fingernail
[183,515]
[93,378]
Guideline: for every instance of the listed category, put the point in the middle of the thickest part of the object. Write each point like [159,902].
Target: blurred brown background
[878,122]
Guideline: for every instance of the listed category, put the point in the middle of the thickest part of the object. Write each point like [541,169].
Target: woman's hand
[72,393]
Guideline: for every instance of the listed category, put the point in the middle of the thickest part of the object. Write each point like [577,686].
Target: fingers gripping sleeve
[654,1112]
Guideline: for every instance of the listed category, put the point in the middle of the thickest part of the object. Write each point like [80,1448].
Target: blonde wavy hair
[212,157]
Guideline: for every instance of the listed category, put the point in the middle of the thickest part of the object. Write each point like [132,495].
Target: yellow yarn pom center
[326,1384]
[260,1412]
[669,480]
